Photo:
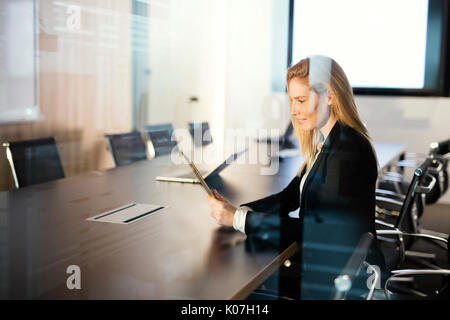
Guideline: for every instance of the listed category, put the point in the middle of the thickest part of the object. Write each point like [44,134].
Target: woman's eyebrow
[298,97]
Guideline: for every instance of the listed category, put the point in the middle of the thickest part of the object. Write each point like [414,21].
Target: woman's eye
[301,101]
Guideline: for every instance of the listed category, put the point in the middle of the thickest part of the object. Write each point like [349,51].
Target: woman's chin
[305,126]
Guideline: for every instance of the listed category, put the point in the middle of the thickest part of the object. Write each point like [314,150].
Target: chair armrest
[429,187]
[418,235]
[384,239]
[384,224]
[383,192]
[393,174]
[392,178]
[388,200]
[407,163]
[391,232]
[408,272]
[437,169]
[398,274]
[425,236]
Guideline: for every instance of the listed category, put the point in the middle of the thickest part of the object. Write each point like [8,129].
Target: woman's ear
[329,98]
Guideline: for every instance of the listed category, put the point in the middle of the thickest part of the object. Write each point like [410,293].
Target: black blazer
[337,206]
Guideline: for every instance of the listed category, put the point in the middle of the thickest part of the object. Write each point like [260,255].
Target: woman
[334,188]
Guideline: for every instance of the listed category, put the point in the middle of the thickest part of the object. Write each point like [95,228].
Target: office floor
[437,218]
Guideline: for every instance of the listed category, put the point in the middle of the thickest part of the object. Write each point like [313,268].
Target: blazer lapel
[323,153]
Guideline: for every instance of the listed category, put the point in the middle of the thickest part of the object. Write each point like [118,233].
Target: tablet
[197,174]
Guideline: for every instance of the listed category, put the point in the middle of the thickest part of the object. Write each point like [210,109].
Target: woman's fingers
[218,195]
[214,201]
[216,206]
[217,209]
[221,210]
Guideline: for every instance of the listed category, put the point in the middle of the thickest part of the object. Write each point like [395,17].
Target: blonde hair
[343,106]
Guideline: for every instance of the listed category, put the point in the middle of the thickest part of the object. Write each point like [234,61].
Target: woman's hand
[221,209]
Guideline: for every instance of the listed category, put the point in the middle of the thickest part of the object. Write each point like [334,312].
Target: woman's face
[304,105]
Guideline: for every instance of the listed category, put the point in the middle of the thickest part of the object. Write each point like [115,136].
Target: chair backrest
[406,220]
[126,148]
[443,147]
[437,171]
[443,153]
[201,133]
[448,249]
[34,161]
[161,137]
[440,152]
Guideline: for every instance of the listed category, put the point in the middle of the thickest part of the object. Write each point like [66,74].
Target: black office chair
[126,148]
[440,151]
[438,158]
[161,139]
[401,235]
[200,133]
[440,288]
[34,161]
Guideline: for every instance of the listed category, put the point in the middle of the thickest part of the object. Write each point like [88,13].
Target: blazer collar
[332,135]
[327,143]
[325,147]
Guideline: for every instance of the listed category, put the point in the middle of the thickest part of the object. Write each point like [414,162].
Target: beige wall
[414,121]
[219,51]
[84,84]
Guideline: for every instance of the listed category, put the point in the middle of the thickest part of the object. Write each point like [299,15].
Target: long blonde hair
[343,106]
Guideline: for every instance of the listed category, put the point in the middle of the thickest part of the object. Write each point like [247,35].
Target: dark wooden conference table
[176,253]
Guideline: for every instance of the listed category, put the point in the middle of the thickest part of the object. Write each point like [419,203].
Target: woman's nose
[295,109]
